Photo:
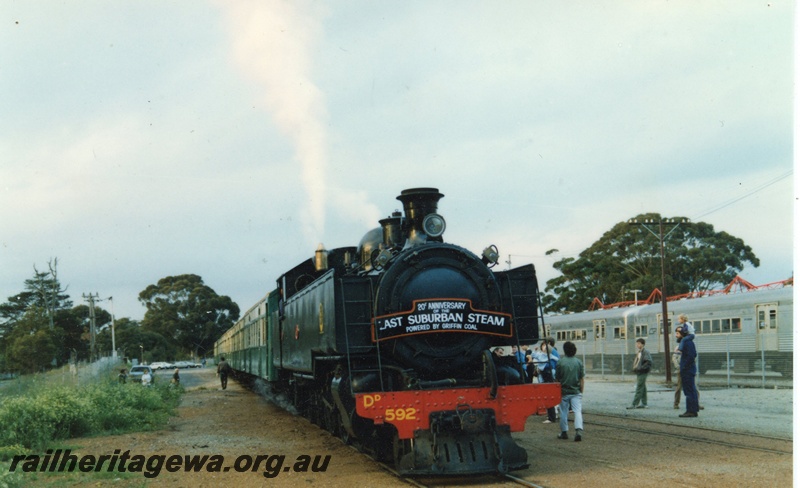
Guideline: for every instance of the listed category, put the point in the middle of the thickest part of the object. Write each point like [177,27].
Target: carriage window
[661,325]
[773,319]
[726,326]
[641,330]
[716,326]
[571,335]
[768,322]
[599,329]
[705,327]
[619,332]
[736,325]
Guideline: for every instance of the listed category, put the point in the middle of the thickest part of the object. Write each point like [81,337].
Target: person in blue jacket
[688,370]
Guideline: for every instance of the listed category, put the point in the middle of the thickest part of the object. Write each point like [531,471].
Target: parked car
[161,365]
[186,364]
[137,372]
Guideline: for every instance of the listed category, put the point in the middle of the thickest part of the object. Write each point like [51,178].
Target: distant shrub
[8,452]
[35,419]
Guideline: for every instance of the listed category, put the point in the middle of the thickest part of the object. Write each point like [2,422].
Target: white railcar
[738,332]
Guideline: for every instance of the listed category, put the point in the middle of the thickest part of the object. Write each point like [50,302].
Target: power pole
[113,326]
[664,322]
[92,326]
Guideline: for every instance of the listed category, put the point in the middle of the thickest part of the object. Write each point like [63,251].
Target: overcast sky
[145,139]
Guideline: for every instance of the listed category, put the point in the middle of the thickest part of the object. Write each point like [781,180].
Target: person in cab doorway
[223,370]
[570,373]
[642,364]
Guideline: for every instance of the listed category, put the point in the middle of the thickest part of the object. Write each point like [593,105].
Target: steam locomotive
[387,345]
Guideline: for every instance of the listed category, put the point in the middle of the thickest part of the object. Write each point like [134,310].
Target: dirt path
[233,423]
[238,424]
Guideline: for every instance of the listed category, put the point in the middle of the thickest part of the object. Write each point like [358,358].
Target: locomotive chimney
[422,223]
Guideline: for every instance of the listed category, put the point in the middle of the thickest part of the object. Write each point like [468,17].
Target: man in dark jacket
[642,364]
[223,370]
[688,370]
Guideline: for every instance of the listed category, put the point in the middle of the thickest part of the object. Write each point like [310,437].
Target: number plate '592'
[391,414]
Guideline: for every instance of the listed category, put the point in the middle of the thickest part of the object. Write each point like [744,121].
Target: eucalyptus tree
[187,312]
[628,257]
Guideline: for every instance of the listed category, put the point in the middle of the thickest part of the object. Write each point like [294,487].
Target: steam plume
[272,44]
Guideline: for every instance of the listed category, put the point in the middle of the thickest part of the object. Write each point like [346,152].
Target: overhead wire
[751,192]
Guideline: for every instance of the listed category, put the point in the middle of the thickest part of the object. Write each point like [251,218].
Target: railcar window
[571,335]
[619,332]
[731,325]
[599,329]
[767,319]
[640,330]
[661,325]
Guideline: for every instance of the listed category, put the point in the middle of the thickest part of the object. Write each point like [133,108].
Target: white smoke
[273,42]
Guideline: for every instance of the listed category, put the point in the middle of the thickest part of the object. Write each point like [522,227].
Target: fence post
[763,363]
[728,358]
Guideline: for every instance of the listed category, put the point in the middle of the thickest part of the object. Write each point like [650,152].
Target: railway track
[446,481]
[754,442]
[498,480]
[484,480]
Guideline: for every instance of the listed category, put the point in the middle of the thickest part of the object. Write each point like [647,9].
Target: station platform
[746,410]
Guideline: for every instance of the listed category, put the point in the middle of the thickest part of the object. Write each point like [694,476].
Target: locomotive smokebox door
[460,286]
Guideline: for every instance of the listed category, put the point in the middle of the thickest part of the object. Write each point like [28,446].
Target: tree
[627,257]
[77,336]
[32,345]
[186,311]
[133,342]
[43,299]
[43,290]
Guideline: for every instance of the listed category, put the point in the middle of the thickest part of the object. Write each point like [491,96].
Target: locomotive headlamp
[433,224]
[490,256]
